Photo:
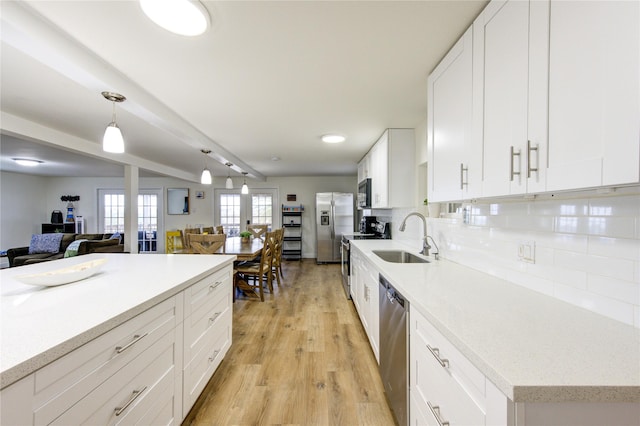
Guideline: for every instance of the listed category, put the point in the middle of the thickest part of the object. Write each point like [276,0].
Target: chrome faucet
[425,245]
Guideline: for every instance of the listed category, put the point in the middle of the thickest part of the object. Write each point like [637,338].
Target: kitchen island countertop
[533,347]
[42,324]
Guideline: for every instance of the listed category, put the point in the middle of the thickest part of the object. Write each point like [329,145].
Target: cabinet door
[380,171]
[374,311]
[501,32]
[363,169]
[450,120]
[593,94]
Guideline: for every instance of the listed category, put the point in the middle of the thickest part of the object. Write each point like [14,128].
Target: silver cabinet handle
[136,339]
[134,396]
[435,410]
[212,357]
[463,169]
[529,150]
[512,172]
[436,353]
[214,286]
[214,317]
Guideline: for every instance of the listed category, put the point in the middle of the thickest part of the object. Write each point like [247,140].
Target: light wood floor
[299,358]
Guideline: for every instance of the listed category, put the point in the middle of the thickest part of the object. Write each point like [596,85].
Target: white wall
[27,201]
[587,246]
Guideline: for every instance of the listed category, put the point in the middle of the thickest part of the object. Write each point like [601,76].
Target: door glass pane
[113,213]
[262,209]
[147,222]
[230,214]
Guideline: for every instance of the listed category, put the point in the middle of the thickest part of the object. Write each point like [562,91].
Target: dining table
[244,251]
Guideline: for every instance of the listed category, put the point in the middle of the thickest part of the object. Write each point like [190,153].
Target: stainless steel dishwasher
[394,352]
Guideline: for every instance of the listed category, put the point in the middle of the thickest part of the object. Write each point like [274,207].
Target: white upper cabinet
[363,168]
[392,169]
[594,101]
[455,156]
[510,86]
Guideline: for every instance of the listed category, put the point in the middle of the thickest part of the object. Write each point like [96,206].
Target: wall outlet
[527,251]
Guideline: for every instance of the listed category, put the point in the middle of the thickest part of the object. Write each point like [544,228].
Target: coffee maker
[367,224]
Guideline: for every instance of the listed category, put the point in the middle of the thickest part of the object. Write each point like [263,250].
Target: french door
[234,211]
[111,216]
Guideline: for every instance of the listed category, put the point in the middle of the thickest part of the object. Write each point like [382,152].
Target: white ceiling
[267,80]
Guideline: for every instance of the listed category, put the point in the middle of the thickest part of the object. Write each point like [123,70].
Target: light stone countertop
[41,324]
[533,347]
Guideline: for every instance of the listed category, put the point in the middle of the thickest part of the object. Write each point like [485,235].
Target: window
[230,214]
[262,209]
[235,211]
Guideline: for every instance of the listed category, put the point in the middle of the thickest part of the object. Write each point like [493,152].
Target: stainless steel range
[371,230]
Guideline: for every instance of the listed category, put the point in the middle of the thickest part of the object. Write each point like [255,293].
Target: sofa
[45,247]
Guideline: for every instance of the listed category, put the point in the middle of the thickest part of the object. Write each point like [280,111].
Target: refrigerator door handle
[333,220]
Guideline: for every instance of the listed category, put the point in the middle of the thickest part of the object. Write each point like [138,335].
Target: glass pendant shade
[112,140]
[229,183]
[245,188]
[205,179]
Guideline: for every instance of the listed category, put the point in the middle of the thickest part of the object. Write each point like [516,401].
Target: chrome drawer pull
[435,410]
[436,353]
[214,356]
[136,339]
[134,396]
[214,286]
[214,317]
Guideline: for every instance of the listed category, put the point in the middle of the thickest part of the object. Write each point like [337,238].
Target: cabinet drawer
[207,356]
[208,316]
[62,383]
[205,290]
[144,388]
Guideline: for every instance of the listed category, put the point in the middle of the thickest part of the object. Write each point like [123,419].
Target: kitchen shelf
[292,224]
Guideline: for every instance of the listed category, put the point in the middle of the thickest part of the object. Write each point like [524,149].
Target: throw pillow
[45,243]
[72,250]
[115,236]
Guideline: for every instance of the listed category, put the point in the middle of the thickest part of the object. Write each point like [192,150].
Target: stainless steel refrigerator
[334,217]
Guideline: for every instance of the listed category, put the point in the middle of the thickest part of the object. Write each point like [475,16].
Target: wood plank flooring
[301,357]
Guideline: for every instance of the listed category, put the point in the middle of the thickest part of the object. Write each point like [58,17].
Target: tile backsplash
[586,251]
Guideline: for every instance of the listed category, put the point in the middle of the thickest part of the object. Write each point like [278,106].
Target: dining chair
[277,256]
[257,231]
[219,229]
[256,275]
[173,241]
[187,232]
[206,243]
[207,230]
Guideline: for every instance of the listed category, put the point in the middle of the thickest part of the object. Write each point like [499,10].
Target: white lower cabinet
[148,370]
[366,298]
[444,385]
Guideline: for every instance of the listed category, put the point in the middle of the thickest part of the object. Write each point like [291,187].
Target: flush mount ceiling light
[112,140]
[27,162]
[245,188]
[229,183]
[205,178]
[183,17]
[333,138]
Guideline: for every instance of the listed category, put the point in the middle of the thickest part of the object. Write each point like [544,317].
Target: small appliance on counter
[367,224]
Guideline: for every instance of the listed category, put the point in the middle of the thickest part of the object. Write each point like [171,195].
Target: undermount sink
[399,256]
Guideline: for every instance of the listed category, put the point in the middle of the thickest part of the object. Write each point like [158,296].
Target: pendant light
[245,188]
[229,183]
[112,140]
[205,178]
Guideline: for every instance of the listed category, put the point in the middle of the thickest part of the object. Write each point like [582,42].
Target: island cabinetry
[79,386]
[445,386]
[207,331]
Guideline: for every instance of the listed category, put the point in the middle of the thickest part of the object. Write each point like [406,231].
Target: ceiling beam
[26,30]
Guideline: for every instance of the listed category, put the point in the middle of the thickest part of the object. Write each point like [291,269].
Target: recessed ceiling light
[27,162]
[183,17]
[333,138]
[275,158]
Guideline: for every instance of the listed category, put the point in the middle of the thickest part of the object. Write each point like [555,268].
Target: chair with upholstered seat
[256,275]
[206,243]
